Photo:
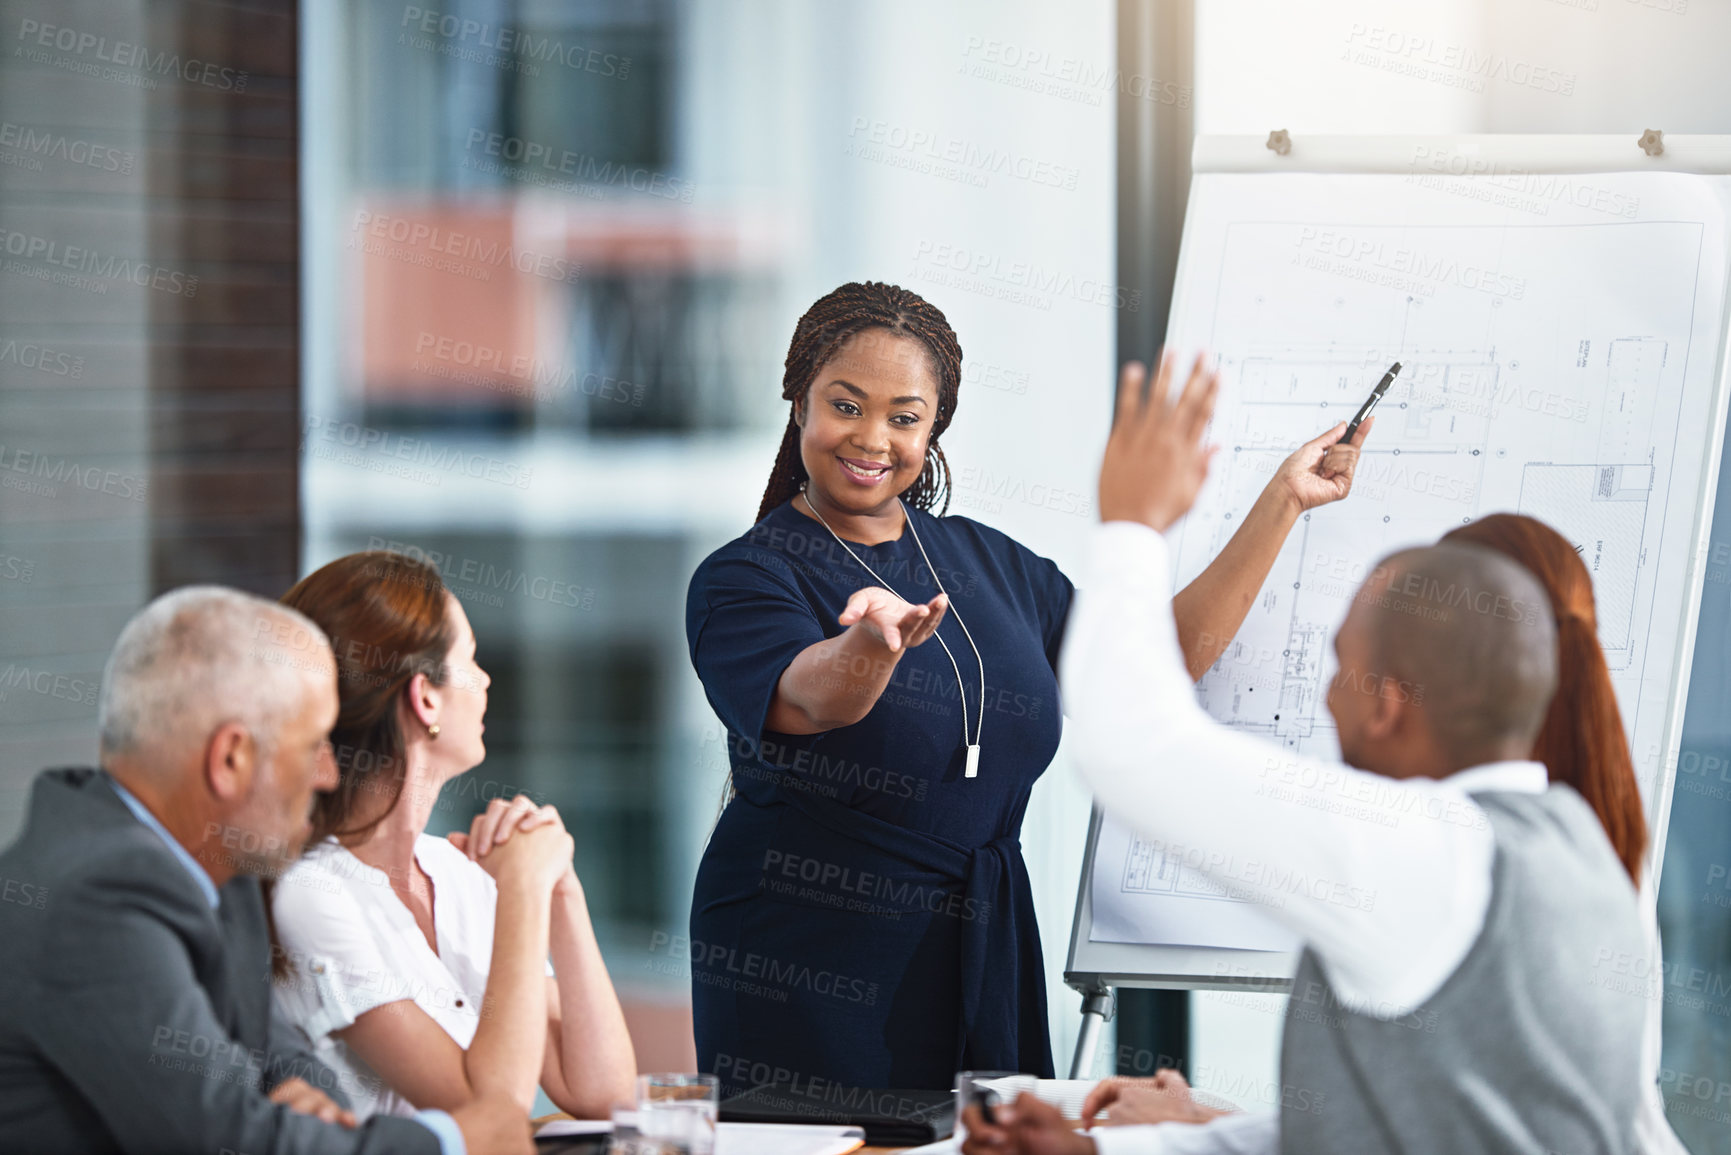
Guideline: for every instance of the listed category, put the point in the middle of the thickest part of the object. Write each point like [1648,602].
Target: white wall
[1627,65]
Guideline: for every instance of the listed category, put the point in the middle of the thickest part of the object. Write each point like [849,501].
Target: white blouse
[354,946]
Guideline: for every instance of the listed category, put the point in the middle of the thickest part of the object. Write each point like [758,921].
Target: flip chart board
[1558,306]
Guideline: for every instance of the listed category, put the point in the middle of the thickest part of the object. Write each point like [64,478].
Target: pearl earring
[433,731]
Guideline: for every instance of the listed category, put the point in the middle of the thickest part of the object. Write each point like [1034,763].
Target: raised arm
[1361,866]
[1211,608]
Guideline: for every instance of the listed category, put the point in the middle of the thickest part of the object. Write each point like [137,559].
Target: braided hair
[829,324]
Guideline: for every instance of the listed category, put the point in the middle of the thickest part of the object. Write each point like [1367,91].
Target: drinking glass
[679,1111]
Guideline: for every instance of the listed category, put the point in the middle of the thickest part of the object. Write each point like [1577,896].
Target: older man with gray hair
[137,1013]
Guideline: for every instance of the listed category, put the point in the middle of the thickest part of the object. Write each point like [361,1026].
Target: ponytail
[1583,735]
[1582,743]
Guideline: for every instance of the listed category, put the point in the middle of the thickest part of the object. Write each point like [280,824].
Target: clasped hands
[520,839]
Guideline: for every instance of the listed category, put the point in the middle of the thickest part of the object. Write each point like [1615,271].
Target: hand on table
[894,623]
[1320,470]
[1155,461]
[1029,1127]
[303,1098]
[1163,1099]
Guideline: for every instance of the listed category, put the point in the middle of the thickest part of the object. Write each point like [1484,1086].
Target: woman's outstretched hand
[1320,470]
[897,624]
[1155,462]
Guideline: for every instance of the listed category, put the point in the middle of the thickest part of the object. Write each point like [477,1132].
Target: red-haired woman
[1583,746]
[885,674]
[392,941]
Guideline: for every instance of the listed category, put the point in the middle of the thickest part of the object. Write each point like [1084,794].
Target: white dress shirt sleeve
[1387,880]
[1257,1134]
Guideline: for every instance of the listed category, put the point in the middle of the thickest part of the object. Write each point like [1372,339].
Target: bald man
[1457,912]
[135,1012]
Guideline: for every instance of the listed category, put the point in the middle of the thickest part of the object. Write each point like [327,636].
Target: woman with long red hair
[1583,745]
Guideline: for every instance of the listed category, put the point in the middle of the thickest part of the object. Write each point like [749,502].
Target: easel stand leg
[1097,1007]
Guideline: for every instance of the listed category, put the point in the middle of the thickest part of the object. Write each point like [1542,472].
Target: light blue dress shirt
[443,1127]
[181,854]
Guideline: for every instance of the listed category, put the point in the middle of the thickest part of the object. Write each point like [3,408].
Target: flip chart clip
[1280,142]
[1652,142]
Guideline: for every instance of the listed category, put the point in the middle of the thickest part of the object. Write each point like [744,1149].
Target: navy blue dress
[862,912]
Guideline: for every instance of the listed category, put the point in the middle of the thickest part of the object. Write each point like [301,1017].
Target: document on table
[786,1139]
[561,1128]
[742,1138]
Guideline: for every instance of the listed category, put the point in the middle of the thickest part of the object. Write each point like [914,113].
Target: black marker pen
[1370,403]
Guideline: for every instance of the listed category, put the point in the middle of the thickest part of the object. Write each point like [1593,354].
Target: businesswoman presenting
[886,677]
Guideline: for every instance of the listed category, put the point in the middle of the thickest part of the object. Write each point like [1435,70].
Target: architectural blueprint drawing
[1560,366]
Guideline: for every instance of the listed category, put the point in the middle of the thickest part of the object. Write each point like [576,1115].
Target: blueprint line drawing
[1607,504]
[1148,871]
[1563,370]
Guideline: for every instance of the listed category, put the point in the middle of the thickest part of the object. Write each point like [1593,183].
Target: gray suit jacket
[135,1018]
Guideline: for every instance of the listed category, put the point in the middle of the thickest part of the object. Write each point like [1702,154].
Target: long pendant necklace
[973,767]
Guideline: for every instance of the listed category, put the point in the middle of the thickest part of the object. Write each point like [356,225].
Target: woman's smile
[862,472]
